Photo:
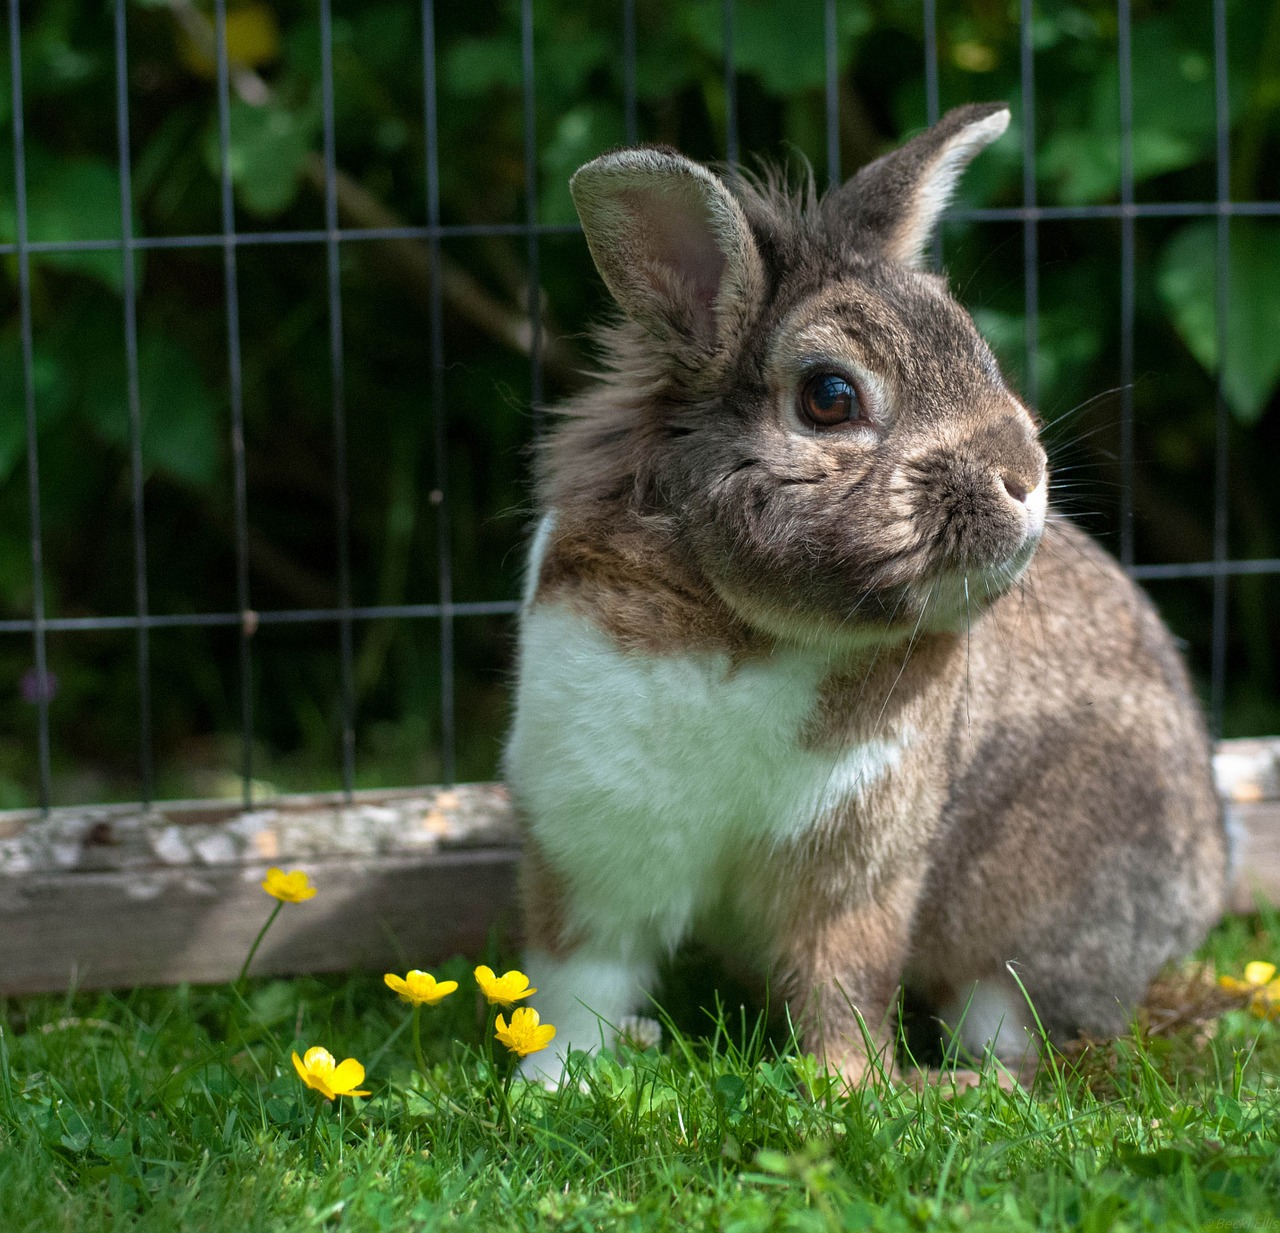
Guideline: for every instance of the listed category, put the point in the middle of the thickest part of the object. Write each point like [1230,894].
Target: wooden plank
[107,896]
[110,895]
[1256,834]
[1248,777]
[105,929]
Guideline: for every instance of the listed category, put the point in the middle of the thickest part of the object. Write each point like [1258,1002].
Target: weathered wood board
[112,896]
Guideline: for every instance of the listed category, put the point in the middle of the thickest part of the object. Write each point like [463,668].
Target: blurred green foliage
[276,126]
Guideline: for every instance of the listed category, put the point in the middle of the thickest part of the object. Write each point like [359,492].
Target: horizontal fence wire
[319,235]
[249,620]
[345,615]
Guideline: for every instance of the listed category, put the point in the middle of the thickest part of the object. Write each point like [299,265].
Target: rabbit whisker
[1088,402]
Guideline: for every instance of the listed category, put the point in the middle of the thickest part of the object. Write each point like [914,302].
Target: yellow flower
[1256,976]
[505,989]
[419,988]
[525,1035]
[288,887]
[253,39]
[1259,973]
[1262,986]
[317,1069]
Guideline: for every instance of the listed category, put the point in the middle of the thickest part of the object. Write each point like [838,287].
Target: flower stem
[506,1096]
[262,933]
[500,1087]
[417,1041]
[490,1016]
[311,1133]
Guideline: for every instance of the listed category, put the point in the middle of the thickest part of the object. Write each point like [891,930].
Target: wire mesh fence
[337,622]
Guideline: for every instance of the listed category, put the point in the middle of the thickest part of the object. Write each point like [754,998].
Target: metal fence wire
[446,611]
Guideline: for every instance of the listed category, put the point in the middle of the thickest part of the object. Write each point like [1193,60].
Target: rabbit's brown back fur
[1037,786]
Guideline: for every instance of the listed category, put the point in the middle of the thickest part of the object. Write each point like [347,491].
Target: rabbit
[808,670]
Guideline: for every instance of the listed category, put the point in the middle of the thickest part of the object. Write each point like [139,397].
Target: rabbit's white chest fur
[644,776]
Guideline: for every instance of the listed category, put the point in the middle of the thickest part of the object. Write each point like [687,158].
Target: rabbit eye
[828,400]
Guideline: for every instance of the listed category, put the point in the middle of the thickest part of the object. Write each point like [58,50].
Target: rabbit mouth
[969,563]
[972,517]
[966,583]
[953,599]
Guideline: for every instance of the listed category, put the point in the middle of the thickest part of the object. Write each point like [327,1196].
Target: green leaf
[1068,342]
[729,1092]
[181,428]
[476,66]
[52,397]
[281,1111]
[582,133]
[1187,280]
[68,198]
[782,44]
[1163,1162]
[269,148]
[1084,166]
[1173,122]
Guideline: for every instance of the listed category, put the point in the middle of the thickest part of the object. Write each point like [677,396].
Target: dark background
[779,110]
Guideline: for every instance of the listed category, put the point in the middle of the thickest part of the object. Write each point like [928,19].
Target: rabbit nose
[1025,486]
[1030,493]
[1015,488]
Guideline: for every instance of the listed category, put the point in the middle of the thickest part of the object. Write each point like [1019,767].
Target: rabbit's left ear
[671,243]
[894,203]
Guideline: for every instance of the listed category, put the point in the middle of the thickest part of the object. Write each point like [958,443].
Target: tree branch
[407,261]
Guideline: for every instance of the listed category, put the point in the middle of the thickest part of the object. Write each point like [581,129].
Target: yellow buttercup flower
[419,988]
[1262,986]
[505,989]
[253,39]
[288,887]
[525,1034]
[1256,976]
[1259,973]
[318,1070]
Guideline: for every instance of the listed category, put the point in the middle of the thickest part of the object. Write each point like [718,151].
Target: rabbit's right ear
[895,203]
[671,244]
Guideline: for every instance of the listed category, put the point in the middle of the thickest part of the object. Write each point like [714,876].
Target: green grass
[179,1109]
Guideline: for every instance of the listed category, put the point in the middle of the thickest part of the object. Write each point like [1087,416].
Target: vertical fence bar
[931,97]
[130,297]
[29,407]
[1030,233]
[833,94]
[1222,304]
[730,88]
[444,547]
[337,376]
[630,122]
[235,385]
[931,104]
[531,211]
[1124,57]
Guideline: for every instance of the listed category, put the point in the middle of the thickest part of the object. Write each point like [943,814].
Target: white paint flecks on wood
[111,896]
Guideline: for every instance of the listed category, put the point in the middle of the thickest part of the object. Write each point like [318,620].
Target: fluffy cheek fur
[790,541]
[864,550]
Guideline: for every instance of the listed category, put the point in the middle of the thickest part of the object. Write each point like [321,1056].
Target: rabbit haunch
[835,696]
